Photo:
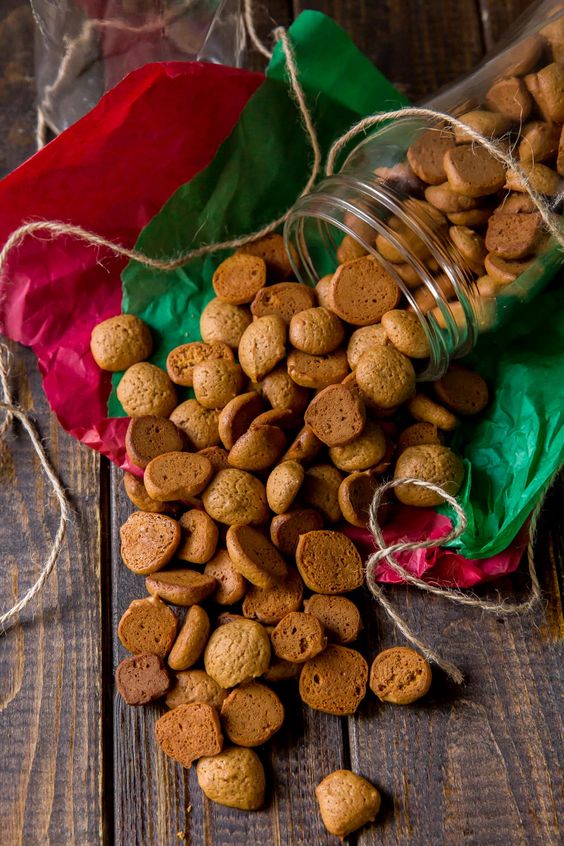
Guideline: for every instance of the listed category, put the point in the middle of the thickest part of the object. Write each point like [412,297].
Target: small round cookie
[148,541]
[364,339]
[329,562]
[425,410]
[199,424]
[145,389]
[181,360]
[298,637]
[430,463]
[462,390]
[400,675]
[272,250]
[362,291]
[367,450]
[231,586]
[188,732]
[503,271]
[148,624]
[425,155]
[538,141]
[322,290]
[473,217]
[194,686]
[540,177]
[356,493]
[227,617]
[339,616]
[406,333]
[191,639]
[137,493]
[284,299]
[199,537]
[285,529]
[216,382]
[237,653]
[546,87]
[469,246]
[491,124]
[142,679]
[282,392]
[255,557]
[442,197]
[251,714]
[235,778]
[225,323]
[346,802]
[350,249]
[385,376]
[236,417]
[472,171]
[316,331]
[336,415]
[283,484]
[235,496]
[285,418]
[217,456]
[177,475]
[269,605]
[317,371]
[513,236]
[320,490]
[409,275]
[262,346]
[334,681]
[237,279]
[147,437]
[258,449]
[181,587]
[281,671]
[119,342]
[304,448]
[417,434]
[516,204]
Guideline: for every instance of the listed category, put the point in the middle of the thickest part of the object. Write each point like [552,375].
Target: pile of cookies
[299,409]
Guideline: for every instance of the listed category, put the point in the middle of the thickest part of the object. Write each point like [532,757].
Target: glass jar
[85,47]
[390,201]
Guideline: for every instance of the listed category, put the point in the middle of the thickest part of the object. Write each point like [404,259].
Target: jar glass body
[377,204]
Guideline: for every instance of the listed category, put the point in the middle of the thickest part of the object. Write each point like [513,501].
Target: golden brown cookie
[227,617]
[216,382]
[272,250]
[181,360]
[236,417]
[329,562]
[367,450]
[462,390]
[320,490]
[317,371]
[148,624]
[425,155]
[235,778]
[546,87]
[137,493]
[190,640]
[147,437]
[323,290]
[474,217]
[424,409]
[199,424]
[281,671]
[304,448]
[195,686]
[417,434]
[540,177]
[283,484]
[188,732]
[346,802]
[255,557]
[430,463]
[282,392]
[408,274]
[180,586]
[470,247]
[235,496]
[231,586]
[356,492]
[316,331]
[148,541]
[146,390]
[199,537]
[503,271]
[385,376]
[284,299]
[251,714]
[490,124]
[404,330]
[334,681]
[217,456]
[222,322]
[538,141]
[553,33]
[285,529]
[336,415]
[262,346]
[513,236]
[363,339]
[177,475]
[350,249]
[509,97]
[121,341]
[269,605]
[237,653]
[258,449]
[298,637]
[142,679]
[362,291]
[339,616]
[285,418]
[400,675]
[238,278]
[472,171]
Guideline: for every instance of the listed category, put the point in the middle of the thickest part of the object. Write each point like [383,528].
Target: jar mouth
[346,205]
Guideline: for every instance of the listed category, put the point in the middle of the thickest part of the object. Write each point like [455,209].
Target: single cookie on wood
[177,475]
[235,778]
[251,714]
[145,389]
[237,653]
[298,637]
[334,681]
[430,463]
[361,291]
[148,541]
[238,278]
[329,562]
[336,415]
[142,679]
[285,529]
[188,732]
[231,585]
[236,497]
[346,802]
[270,605]
[119,342]
[191,639]
[400,675]
[199,424]
[195,686]
[148,624]
[181,587]
[181,361]
[222,322]
[339,616]
[199,537]
[255,557]
[147,437]
[284,299]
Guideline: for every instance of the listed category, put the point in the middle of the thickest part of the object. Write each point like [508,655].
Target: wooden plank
[498,17]
[51,660]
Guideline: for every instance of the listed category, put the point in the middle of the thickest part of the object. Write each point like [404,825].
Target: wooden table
[473,765]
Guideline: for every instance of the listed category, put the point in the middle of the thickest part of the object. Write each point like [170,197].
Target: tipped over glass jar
[449,223]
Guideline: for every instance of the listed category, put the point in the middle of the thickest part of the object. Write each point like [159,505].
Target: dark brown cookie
[142,679]
[269,605]
[336,415]
[251,714]
[148,624]
[285,529]
[339,616]
[298,637]
[334,681]
[236,417]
